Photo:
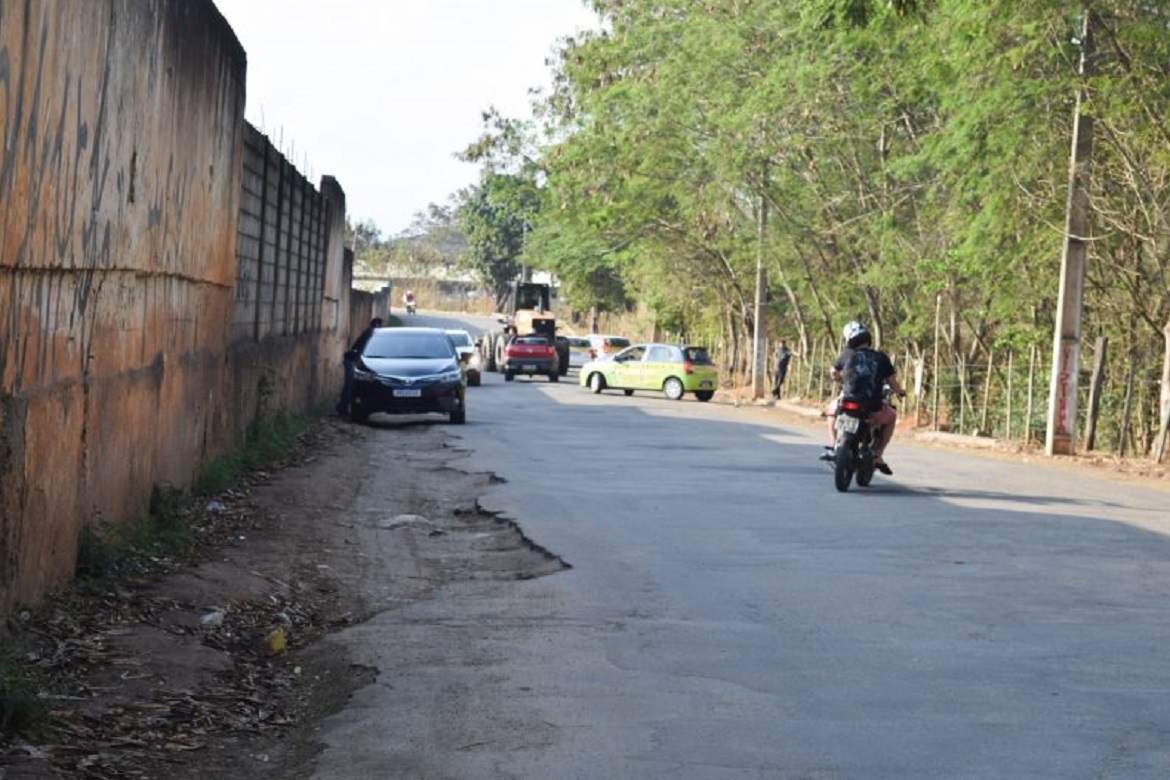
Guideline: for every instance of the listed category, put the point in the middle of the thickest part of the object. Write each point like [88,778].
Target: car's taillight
[687,367]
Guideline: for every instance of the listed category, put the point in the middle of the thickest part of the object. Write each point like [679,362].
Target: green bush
[20,707]
[267,442]
[133,547]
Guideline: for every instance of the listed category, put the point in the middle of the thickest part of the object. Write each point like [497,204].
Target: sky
[381,94]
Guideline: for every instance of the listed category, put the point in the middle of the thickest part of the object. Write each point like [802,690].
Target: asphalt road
[728,614]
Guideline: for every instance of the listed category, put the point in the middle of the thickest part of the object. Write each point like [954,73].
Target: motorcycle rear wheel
[865,469]
[843,467]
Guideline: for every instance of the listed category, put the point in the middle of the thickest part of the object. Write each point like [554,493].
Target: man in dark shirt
[783,355]
[863,372]
[350,360]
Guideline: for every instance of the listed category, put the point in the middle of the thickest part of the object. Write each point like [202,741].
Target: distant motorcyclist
[863,373]
[408,301]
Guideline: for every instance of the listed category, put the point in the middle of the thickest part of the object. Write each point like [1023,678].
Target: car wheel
[474,381]
[628,392]
[499,345]
[596,383]
[509,376]
[487,352]
[554,377]
[357,415]
[672,388]
[704,395]
[458,414]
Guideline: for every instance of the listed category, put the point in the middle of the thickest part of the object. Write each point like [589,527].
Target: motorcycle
[410,307]
[856,438]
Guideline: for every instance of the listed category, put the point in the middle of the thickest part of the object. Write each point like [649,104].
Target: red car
[530,355]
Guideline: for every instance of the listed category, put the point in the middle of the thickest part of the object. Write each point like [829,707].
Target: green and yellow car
[671,369]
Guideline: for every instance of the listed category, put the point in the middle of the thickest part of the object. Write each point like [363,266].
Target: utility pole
[1062,395]
[759,367]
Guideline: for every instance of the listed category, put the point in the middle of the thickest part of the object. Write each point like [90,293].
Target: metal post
[1062,395]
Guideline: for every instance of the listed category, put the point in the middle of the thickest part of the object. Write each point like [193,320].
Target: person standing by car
[863,373]
[783,356]
[350,360]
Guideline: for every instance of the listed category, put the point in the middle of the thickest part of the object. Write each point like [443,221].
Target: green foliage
[496,216]
[137,546]
[20,707]
[433,243]
[909,157]
[268,442]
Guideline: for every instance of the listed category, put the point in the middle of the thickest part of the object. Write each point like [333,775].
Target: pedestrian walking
[783,356]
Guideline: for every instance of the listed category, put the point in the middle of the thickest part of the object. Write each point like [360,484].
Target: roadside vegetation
[906,163]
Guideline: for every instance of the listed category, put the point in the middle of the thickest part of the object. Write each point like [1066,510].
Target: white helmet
[855,333]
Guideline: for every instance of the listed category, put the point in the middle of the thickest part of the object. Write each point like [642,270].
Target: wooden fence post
[1095,392]
[936,379]
[1031,394]
[962,374]
[1127,406]
[986,391]
[1010,389]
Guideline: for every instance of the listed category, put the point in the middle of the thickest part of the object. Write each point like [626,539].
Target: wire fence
[1005,396]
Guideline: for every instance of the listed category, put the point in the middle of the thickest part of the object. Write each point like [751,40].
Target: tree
[495,215]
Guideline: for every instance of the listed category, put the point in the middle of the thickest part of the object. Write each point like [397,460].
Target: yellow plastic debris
[275,643]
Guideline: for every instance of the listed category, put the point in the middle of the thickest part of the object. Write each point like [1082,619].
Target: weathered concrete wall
[119,177]
[133,345]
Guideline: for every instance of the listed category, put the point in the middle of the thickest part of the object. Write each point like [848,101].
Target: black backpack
[860,381]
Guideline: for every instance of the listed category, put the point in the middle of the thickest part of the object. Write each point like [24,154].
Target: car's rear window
[618,342]
[575,341]
[391,343]
[697,355]
[539,340]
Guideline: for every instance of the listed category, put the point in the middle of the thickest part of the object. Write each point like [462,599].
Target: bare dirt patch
[212,666]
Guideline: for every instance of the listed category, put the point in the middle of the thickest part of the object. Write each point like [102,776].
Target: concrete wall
[134,345]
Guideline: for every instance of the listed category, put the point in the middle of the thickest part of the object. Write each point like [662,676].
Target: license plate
[528,368]
[704,385]
[847,424]
[408,393]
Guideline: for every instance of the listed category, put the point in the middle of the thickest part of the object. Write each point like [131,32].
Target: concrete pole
[759,365]
[1062,395]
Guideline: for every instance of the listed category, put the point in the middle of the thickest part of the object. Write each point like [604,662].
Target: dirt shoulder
[210,668]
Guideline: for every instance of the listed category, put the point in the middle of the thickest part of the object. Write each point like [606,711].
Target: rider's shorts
[884,416]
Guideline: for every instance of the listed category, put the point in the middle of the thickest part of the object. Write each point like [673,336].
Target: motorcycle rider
[862,372]
[408,301]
